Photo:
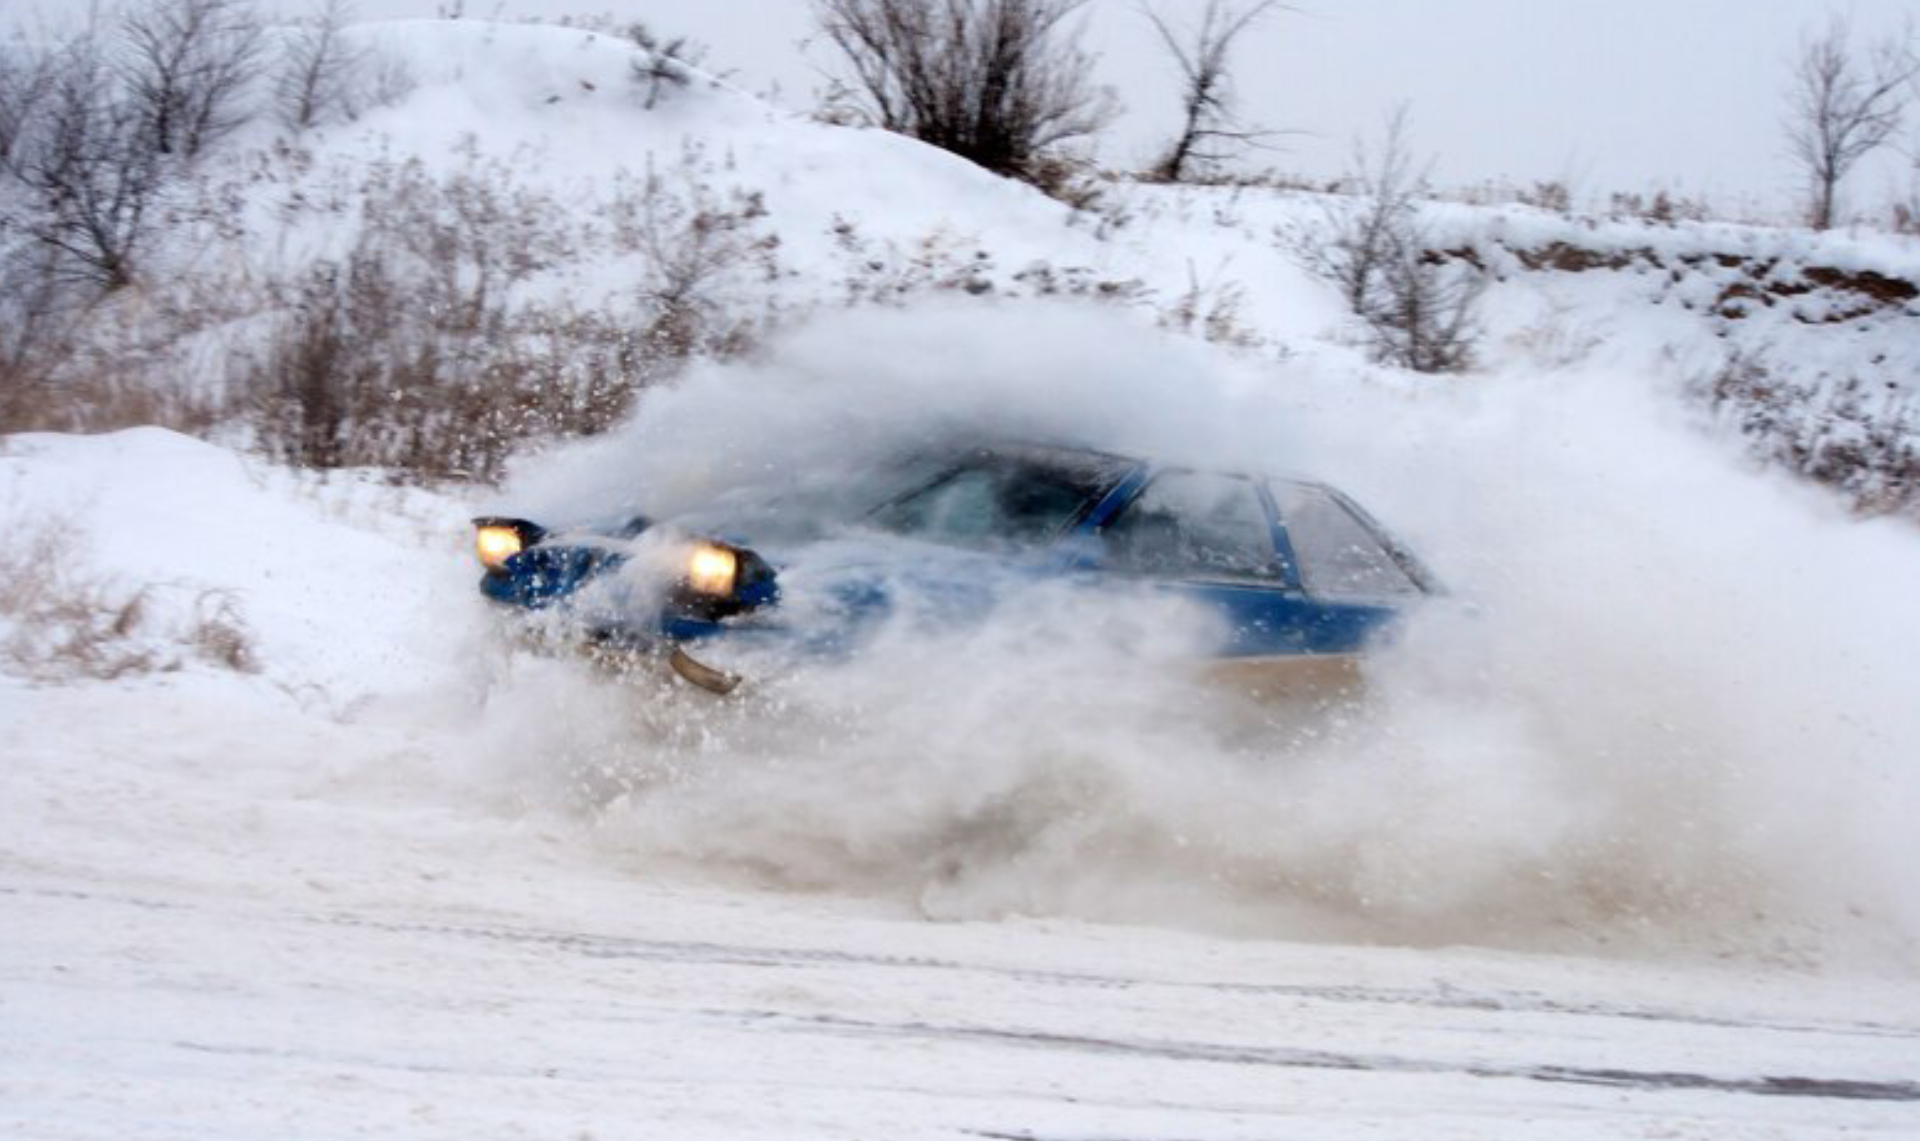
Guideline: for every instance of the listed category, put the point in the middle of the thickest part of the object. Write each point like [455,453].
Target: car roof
[1153,463]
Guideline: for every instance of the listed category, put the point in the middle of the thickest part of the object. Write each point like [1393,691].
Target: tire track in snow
[1300,1059]
[1291,1058]
[627,948]
[602,946]
[1444,997]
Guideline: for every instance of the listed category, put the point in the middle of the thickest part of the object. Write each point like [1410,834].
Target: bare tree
[1420,306]
[24,79]
[88,167]
[993,81]
[1841,109]
[1210,131]
[320,69]
[186,65]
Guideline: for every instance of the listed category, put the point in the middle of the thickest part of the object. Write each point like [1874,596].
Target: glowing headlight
[712,569]
[496,545]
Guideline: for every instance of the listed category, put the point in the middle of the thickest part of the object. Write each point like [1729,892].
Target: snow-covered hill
[574,196]
[294,841]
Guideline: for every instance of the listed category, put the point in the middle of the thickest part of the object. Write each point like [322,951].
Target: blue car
[1295,579]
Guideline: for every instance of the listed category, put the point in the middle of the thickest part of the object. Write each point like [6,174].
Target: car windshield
[807,509]
[1004,499]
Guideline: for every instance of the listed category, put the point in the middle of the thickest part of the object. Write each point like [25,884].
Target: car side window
[995,502]
[1194,525]
[1340,557]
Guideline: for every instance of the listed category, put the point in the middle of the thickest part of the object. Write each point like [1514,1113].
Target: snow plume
[1667,707]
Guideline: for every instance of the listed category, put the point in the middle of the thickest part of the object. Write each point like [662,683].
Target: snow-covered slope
[1803,344]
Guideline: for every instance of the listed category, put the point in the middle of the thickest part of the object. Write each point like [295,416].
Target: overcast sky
[1601,94]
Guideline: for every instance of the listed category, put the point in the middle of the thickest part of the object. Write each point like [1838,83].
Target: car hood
[875,575]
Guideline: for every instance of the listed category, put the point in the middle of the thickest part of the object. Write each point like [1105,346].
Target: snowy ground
[461,983]
[332,898]
[253,932]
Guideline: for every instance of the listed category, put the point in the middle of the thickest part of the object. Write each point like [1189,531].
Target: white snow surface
[372,890]
[1620,845]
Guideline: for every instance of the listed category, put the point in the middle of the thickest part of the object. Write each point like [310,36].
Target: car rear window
[1340,557]
[1003,499]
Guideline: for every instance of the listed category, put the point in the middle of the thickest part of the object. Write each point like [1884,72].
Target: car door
[1211,538]
[1224,541]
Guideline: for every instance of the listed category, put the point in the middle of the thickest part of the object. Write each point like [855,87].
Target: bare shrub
[1211,309]
[699,244]
[1903,215]
[994,81]
[392,353]
[220,635]
[87,391]
[1661,208]
[61,621]
[1841,108]
[1560,338]
[33,332]
[420,349]
[74,362]
[1551,195]
[1420,307]
[471,235]
[1354,247]
[1044,279]
[1856,437]
[1074,181]
[320,72]
[388,80]
[187,66]
[350,382]
[666,63]
[888,272]
[1211,132]
[1426,315]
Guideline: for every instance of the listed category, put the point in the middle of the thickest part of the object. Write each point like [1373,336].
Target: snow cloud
[1666,705]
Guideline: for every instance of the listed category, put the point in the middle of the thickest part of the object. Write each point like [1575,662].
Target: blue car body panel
[541,576]
[1264,622]
[1276,616]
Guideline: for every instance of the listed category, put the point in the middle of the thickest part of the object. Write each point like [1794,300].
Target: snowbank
[328,576]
